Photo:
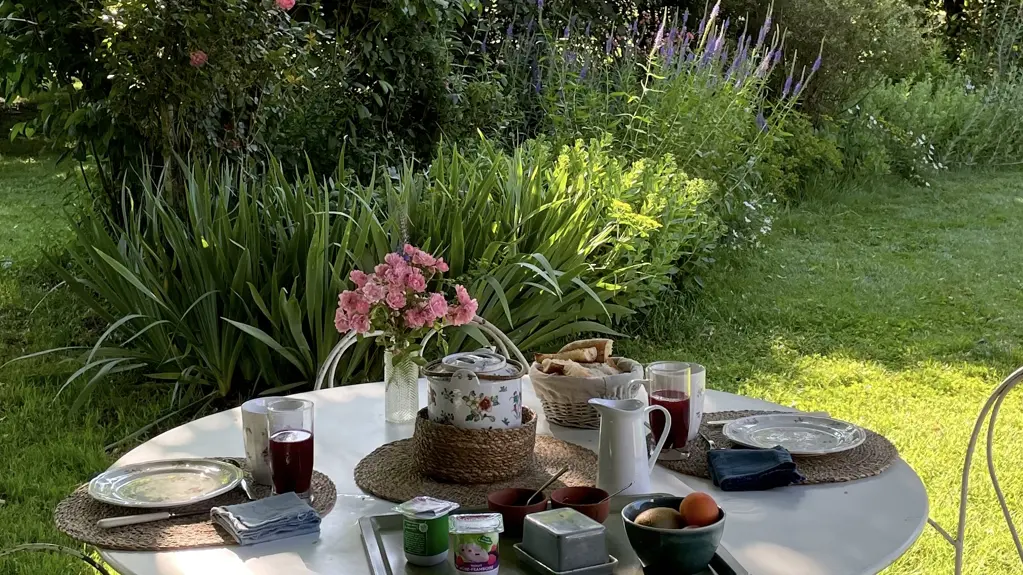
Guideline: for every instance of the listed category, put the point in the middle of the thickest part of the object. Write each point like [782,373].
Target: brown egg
[699,509]
[661,518]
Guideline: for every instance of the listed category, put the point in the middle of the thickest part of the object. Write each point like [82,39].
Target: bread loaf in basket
[564,397]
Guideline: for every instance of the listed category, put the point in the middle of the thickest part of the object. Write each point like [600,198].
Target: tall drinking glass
[671,386]
[290,428]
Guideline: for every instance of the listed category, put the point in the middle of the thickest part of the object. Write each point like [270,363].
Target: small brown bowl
[511,503]
[585,500]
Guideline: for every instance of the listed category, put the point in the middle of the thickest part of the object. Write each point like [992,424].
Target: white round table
[852,528]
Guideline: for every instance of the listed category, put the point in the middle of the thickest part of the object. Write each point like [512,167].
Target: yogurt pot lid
[426,508]
[476,523]
[486,364]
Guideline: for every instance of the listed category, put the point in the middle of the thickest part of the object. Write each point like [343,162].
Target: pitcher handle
[664,433]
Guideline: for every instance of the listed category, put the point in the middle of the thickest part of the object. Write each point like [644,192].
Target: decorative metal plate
[801,434]
[159,484]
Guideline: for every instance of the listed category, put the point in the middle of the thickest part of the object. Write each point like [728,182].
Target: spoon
[615,493]
[554,478]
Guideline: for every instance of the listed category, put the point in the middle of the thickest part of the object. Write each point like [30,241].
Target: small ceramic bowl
[585,500]
[511,503]
[683,551]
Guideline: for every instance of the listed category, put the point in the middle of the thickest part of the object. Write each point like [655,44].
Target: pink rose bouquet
[394,299]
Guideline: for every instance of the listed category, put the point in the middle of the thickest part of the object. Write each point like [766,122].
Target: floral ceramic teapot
[475,390]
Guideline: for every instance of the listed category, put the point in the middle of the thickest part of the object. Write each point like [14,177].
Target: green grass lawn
[892,306]
[895,307]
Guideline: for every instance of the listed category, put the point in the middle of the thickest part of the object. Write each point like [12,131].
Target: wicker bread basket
[564,398]
[458,455]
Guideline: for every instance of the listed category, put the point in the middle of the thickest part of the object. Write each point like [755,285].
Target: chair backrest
[990,414]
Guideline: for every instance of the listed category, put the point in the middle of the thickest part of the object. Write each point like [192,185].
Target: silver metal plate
[160,484]
[382,540]
[804,435]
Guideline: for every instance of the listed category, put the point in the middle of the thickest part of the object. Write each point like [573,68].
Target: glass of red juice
[290,428]
[671,387]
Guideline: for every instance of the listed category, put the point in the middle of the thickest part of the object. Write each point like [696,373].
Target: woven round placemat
[77,514]
[866,460]
[390,473]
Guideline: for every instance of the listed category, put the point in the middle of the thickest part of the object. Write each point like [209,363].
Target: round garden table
[853,528]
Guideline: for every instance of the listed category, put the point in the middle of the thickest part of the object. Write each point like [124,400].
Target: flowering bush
[394,300]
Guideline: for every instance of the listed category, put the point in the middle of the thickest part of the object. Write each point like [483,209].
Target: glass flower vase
[401,388]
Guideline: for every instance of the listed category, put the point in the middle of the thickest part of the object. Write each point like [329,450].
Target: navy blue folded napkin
[277,517]
[752,469]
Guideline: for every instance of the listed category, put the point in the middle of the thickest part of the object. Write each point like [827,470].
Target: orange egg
[699,509]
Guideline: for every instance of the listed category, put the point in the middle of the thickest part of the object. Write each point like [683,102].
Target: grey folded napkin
[277,517]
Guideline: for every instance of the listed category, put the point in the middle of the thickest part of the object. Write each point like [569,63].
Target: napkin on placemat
[277,517]
[752,469]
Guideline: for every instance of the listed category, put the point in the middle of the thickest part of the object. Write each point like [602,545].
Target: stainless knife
[112,522]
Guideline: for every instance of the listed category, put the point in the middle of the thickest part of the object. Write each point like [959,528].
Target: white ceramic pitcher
[622,454]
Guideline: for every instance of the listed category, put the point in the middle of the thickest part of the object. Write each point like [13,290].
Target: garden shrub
[799,155]
[864,41]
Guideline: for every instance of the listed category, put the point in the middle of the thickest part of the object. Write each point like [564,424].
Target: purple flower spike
[529,27]
[570,57]
[777,56]
[816,65]
[714,11]
[537,86]
[584,70]
[510,31]
[685,18]
[703,24]
[725,26]
[483,44]
[659,37]
[798,89]
[587,31]
[608,45]
[788,86]
[761,121]
[539,4]
[565,33]
[764,31]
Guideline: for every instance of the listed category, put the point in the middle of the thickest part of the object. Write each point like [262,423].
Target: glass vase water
[401,387]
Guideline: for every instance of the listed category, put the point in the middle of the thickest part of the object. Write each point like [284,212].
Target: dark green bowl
[681,551]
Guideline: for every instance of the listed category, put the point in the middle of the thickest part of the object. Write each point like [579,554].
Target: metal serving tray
[382,540]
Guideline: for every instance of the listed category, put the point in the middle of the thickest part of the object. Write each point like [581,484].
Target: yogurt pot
[474,540]
[425,530]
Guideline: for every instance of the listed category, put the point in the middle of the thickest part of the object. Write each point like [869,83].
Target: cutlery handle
[111,522]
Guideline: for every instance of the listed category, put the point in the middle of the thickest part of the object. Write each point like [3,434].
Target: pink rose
[285,4]
[421,258]
[359,323]
[438,305]
[381,270]
[416,281]
[341,321]
[462,295]
[410,250]
[414,319]
[358,278]
[373,292]
[353,303]
[392,259]
[460,315]
[395,299]
[198,58]
[440,265]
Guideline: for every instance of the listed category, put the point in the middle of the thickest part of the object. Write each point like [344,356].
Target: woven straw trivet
[868,459]
[389,473]
[77,514]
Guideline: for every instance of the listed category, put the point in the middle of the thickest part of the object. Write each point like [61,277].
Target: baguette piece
[564,367]
[580,355]
[603,347]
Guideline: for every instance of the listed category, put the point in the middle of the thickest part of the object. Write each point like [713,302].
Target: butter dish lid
[564,521]
[476,523]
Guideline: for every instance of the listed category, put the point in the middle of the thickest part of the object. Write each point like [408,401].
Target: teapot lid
[484,363]
[480,361]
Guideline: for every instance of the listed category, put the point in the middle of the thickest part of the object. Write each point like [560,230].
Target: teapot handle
[664,433]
